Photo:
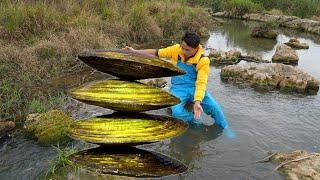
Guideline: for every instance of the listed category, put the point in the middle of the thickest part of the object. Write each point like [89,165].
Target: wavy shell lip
[128,161]
[126,129]
[120,95]
[129,66]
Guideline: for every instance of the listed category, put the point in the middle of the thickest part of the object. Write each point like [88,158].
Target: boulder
[285,54]
[298,164]
[296,44]
[6,126]
[271,76]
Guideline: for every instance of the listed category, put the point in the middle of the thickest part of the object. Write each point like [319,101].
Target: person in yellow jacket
[191,87]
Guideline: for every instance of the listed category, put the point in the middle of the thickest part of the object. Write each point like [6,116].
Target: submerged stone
[263,32]
[50,127]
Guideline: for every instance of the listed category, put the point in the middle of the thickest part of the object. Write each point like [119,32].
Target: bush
[241,7]
[300,8]
[175,19]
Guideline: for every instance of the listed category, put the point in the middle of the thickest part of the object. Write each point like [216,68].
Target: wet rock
[315,18]
[156,82]
[262,32]
[298,164]
[294,22]
[50,127]
[271,76]
[262,17]
[221,57]
[6,126]
[296,44]
[285,54]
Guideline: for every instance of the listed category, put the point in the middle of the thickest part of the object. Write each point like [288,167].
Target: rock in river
[271,76]
[285,54]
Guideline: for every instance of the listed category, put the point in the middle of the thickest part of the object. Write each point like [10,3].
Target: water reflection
[188,145]
[236,34]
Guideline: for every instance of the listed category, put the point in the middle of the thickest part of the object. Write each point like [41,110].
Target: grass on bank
[39,40]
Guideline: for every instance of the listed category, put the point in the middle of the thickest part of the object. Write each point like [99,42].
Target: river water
[263,121]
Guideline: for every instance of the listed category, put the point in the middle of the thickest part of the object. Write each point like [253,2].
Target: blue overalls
[183,87]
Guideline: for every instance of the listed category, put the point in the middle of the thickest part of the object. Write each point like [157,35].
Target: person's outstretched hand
[197,109]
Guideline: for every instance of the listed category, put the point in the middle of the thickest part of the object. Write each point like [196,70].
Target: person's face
[187,50]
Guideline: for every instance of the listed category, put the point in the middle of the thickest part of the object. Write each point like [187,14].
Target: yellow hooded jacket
[202,66]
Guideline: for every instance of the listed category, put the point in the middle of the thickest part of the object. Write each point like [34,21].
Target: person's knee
[176,111]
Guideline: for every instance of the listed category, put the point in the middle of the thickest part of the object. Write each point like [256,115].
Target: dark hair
[191,39]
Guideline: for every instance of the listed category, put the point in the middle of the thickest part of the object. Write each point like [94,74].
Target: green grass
[36,106]
[61,160]
[45,103]
[11,99]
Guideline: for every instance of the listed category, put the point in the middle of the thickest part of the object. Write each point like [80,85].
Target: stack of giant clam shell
[118,133]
